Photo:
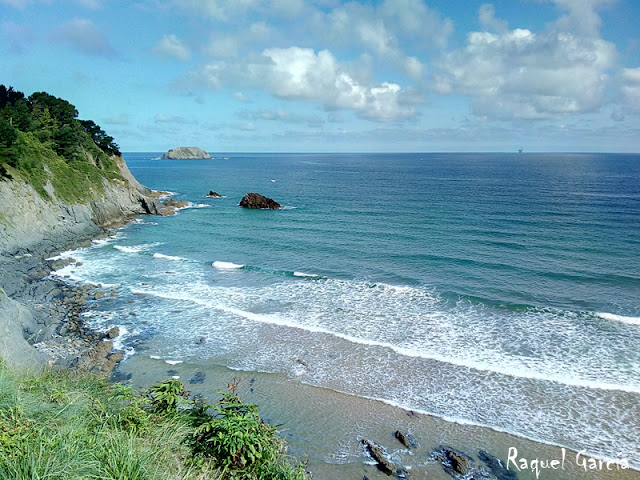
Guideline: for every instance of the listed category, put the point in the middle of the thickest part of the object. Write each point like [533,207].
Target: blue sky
[328,75]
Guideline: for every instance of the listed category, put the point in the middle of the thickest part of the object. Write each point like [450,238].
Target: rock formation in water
[186,153]
[255,200]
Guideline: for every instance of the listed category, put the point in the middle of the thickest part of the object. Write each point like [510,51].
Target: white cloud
[222,47]
[302,74]
[582,15]
[241,97]
[487,18]
[630,88]
[82,35]
[525,75]
[172,46]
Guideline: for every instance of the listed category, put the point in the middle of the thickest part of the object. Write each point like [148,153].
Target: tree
[61,111]
[8,136]
[100,137]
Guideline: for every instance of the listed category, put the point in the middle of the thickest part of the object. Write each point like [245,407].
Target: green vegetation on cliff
[58,426]
[44,143]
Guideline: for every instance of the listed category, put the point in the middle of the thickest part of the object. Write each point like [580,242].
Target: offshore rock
[213,194]
[255,200]
[402,438]
[453,461]
[377,454]
[185,153]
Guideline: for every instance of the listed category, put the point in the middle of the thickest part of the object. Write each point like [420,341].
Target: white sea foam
[301,274]
[619,318]
[173,362]
[155,357]
[226,265]
[136,248]
[125,249]
[168,257]
[511,367]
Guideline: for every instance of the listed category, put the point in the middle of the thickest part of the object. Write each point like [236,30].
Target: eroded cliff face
[32,224]
[31,228]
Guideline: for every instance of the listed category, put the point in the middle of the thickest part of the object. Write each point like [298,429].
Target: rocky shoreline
[41,320]
[49,311]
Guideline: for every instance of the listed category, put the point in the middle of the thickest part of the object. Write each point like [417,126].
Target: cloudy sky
[328,75]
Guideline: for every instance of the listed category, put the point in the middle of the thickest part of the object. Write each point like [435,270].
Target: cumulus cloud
[82,35]
[526,75]
[171,46]
[281,116]
[302,74]
[487,18]
[630,88]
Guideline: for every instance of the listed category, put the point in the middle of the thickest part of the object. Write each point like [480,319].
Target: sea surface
[487,290]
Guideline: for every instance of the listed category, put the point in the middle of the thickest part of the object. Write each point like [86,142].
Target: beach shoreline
[64,301]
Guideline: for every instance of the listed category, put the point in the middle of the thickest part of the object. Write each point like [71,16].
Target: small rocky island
[255,200]
[185,153]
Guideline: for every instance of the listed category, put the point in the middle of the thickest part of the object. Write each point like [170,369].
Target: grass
[60,426]
[74,181]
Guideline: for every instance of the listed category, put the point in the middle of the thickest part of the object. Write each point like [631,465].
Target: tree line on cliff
[51,121]
[42,141]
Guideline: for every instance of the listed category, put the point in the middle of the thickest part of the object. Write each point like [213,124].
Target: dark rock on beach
[255,200]
[497,467]
[402,438]
[197,377]
[377,453]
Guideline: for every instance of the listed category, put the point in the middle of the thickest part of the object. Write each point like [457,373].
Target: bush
[59,426]
[246,446]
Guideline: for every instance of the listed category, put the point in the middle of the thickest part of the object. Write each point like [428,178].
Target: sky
[335,76]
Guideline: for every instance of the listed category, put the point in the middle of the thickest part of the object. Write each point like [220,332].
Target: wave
[226,265]
[619,318]
[287,273]
[301,274]
[515,371]
[168,257]
[124,249]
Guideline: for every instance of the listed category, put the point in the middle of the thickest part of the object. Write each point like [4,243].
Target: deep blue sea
[501,290]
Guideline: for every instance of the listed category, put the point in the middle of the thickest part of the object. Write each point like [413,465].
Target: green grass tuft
[62,426]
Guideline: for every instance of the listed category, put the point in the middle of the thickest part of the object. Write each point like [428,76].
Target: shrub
[246,446]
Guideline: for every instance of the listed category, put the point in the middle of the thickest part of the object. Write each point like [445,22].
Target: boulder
[377,454]
[185,153]
[255,200]
[402,438]
[453,461]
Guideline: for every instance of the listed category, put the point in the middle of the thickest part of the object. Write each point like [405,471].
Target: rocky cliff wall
[31,228]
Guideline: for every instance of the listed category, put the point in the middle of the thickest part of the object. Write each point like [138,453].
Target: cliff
[62,181]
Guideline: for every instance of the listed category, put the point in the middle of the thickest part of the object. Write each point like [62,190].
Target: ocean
[492,293]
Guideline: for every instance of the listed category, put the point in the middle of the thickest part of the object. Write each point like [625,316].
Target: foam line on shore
[517,371]
[619,318]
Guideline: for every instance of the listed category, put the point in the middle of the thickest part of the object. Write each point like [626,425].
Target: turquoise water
[500,290]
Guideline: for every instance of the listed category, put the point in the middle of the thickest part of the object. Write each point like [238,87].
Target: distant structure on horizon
[520,150]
